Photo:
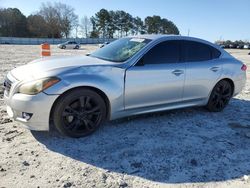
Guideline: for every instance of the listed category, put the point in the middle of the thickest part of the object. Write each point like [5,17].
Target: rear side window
[165,52]
[215,53]
[195,51]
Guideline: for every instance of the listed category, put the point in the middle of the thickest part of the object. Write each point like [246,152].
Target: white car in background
[246,46]
[69,45]
[103,44]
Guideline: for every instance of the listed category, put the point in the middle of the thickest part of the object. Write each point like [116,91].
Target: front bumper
[38,105]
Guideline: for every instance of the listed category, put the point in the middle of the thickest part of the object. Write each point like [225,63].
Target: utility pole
[188,31]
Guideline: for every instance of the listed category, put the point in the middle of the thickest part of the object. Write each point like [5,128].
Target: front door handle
[178,72]
[214,69]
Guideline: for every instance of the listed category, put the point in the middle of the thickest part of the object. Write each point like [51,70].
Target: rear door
[157,79]
[203,68]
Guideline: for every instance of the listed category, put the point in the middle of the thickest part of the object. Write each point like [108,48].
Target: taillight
[244,67]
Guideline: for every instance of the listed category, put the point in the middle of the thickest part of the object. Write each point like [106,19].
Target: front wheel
[220,96]
[79,113]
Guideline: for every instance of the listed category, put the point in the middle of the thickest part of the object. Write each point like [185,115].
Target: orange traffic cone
[45,51]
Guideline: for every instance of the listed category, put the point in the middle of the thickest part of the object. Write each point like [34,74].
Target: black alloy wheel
[220,96]
[79,113]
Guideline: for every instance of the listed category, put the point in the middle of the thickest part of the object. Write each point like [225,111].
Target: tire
[220,96]
[63,47]
[79,113]
[77,47]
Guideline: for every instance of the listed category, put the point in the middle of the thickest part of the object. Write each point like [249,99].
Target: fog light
[26,115]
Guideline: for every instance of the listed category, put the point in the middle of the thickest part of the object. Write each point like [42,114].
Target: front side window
[121,50]
[163,53]
[196,51]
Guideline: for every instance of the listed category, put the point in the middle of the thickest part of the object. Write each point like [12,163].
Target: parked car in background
[222,45]
[233,46]
[247,46]
[132,75]
[241,46]
[103,44]
[69,45]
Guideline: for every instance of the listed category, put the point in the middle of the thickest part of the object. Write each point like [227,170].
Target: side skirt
[157,108]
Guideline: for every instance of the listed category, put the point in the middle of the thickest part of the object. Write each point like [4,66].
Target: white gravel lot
[179,148]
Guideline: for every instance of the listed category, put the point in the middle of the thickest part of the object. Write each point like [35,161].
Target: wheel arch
[226,79]
[97,90]
[230,82]
[213,107]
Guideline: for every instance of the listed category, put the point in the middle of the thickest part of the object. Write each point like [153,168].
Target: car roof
[153,36]
[159,36]
[175,37]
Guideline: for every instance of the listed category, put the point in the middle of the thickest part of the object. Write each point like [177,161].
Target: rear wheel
[63,47]
[77,47]
[79,113]
[220,96]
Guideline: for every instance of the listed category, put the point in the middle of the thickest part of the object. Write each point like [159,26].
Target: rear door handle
[178,72]
[214,69]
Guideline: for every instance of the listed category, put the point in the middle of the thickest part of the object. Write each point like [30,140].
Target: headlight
[37,86]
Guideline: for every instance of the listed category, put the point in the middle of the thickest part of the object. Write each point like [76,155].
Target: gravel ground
[180,148]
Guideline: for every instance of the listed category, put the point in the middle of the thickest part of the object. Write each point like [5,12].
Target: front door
[157,79]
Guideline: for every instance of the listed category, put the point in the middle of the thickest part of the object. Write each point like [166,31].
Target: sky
[207,19]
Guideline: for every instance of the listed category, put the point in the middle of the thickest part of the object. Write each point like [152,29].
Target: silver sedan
[132,75]
[69,45]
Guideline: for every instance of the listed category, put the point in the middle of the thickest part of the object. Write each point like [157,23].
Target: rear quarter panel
[232,70]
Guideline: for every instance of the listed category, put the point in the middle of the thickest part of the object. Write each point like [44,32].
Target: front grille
[7,85]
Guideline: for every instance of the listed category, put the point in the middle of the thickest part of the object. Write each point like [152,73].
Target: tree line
[52,20]
[107,24]
[59,20]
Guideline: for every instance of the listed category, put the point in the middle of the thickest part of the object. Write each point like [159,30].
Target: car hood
[51,66]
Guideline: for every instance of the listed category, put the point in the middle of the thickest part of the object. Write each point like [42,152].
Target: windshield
[121,50]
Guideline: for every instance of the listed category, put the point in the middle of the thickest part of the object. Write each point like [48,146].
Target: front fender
[110,80]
